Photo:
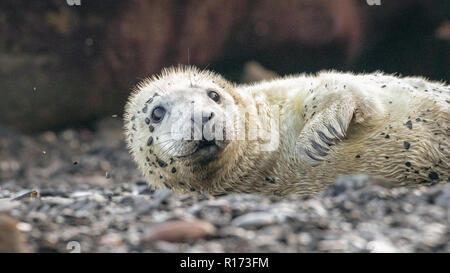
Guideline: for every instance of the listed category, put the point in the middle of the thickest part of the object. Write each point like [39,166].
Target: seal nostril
[207,118]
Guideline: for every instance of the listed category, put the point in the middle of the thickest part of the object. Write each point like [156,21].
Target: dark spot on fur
[147,159]
[150,141]
[134,127]
[147,120]
[357,156]
[181,183]
[151,128]
[144,110]
[167,186]
[433,176]
[150,100]
[406,144]
[383,86]
[161,163]
[133,118]
[174,170]
[409,124]
[390,102]
[418,119]
[387,157]
[192,189]
[270,180]
[382,134]
[312,115]
[387,136]
[408,164]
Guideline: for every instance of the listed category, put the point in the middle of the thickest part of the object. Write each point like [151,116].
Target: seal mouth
[205,144]
[206,151]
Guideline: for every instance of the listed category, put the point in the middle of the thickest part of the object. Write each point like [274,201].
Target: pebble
[180,231]
[254,220]
[122,214]
[55,200]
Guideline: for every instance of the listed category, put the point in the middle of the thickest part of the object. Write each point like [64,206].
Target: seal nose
[205,119]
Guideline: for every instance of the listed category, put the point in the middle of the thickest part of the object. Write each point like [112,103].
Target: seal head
[178,127]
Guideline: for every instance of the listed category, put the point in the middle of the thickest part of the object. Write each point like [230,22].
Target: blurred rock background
[64,66]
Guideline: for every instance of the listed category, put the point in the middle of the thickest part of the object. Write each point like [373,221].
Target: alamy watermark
[260,126]
[74,247]
[73,2]
[373,2]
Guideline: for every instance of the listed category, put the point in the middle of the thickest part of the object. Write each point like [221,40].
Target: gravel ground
[78,190]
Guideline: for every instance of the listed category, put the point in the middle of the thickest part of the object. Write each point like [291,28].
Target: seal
[192,131]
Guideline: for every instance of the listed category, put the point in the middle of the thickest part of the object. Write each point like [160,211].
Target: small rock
[81,194]
[382,246]
[433,234]
[348,182]
[55,200]
[180,231]
[254,220]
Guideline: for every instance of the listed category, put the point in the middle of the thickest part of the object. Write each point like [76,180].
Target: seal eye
[214,96]
[158,114]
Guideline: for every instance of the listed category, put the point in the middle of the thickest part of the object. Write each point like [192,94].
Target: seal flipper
[325,128]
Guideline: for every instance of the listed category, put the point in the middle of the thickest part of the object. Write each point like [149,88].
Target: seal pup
[318,126]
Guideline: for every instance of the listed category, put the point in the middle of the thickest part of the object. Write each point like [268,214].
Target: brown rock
[11,239]
[180,231]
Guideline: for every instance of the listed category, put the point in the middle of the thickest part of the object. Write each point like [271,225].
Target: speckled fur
[331,124]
